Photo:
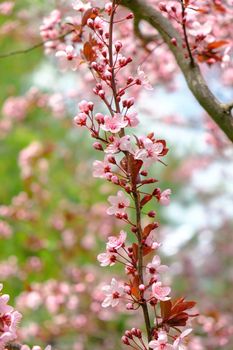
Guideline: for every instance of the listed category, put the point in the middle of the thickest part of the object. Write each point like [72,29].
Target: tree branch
[36,46]
[219,112]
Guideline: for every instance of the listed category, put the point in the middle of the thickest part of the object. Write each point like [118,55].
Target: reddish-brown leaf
[182,307]
[217,44]
[134,287]
[88,52]
[147,250]
[135,166]
[147,230]
[179,320]
[88,14]
[165,307]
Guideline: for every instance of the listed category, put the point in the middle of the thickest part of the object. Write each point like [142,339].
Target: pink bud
[101,93]
[118,46]
[152,214]
[174,41]
[97,146]
[125,340]
[141,287]
[99,117]
[130,16]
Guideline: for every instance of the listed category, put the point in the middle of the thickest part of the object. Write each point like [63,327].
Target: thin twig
[36,46]
[185,34]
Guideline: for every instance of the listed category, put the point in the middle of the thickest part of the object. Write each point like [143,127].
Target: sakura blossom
[150,153]
[164,197]
[161,343]
[160,292]
[144,79]
[114,124]
[106,259]
[155,267]
[113,292]
[114,243]
[101,168]
[9,320]
[178,343]
[119,203]
[67,58]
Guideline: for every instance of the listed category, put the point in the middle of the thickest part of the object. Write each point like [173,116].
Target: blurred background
[52,212]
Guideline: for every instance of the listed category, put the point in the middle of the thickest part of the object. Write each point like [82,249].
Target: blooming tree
[95,36]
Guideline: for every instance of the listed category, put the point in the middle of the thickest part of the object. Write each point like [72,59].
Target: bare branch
[31,48]
[194,78]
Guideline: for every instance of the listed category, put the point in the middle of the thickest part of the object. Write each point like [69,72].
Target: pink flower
[121,144]
[178,342]
[132,119]
[6,7]
[161,343]
[101,168]
[144,79]
[81,119]
[85,106]
[9,319]
[67,58]
[113,293]
[160,292]
[114,124]
[155,266]
[119,203]
[79,5]
[150,152]
[106,259]
[151,242]
[116,242]
[165,197]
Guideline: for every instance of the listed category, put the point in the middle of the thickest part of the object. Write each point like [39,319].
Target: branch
[31,48]
[13,346]
[218,111]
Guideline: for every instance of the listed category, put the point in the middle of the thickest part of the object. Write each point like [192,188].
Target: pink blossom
[151,242]
[5,229]
[150,152]
[84,106]
[144,79]
[164,198]
[114,124]
[178,342]
[132,119]
[161,343]
[106,259]
[119,203]
[81,119]
[113,293]
[15,108]
[79,5]
[160,292]
[101,168]
[6,7]
[155,266]
[119,144]
[9,319]
[116,242]
[67,58]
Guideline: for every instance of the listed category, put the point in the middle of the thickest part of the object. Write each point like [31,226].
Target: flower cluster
[127,161]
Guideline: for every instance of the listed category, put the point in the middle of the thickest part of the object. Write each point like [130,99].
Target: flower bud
[98,146]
